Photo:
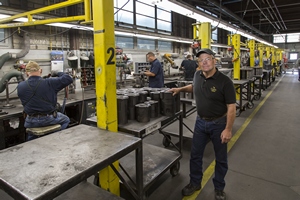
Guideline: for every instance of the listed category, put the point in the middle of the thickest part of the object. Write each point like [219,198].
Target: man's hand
[54,73]
[174,90]
[226,136]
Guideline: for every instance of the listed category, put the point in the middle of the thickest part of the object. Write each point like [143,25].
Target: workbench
[244,100]
[46,167]
[266,78]
[156,160]
[14,116]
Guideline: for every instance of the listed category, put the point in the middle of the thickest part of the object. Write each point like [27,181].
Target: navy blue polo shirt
[45,98]
[156,81]
[213,94]
[190,67]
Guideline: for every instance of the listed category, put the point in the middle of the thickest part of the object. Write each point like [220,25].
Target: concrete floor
[263,162]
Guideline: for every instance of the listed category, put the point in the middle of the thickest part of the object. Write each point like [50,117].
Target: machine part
[153,108]
[122,105]
[142,112]
[132,101]
[170,103]
[84,60]
[143,96]
[156,97]
[181,84]
[5,57]
[8,76]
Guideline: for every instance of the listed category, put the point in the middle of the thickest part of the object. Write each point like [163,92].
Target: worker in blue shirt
[156,72]
[39,98]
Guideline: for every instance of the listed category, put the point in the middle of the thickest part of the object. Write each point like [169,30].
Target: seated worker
[156,72]
[189,67]
[39,98]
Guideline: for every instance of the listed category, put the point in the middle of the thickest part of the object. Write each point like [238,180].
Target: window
[293,38]
[214,35]
[146,44]
[279,39]
[124,16]
[6,42]
[124,42]
[163,25]
[145,9]
[164,46]
[145,21]
[293,56]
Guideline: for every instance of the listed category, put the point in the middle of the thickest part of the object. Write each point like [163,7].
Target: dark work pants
[203,132]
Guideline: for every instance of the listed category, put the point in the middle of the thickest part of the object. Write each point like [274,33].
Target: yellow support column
[236,42]
[205,33]
[261,51]
[105,74]
[251,46]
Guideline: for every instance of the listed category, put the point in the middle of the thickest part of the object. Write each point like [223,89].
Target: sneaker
[220,195]
[190,189]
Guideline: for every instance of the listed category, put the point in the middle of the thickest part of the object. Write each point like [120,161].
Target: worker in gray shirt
[298,65]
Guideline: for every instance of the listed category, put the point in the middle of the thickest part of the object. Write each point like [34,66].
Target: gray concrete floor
[263,162]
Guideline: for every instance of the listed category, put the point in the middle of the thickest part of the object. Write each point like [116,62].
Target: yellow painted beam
[105,74]
[236,42]
[251,46]
[42,10]
[41,22]
[205,33]
[87,10]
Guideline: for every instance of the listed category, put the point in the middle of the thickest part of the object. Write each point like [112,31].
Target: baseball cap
[208,51]
[32,67]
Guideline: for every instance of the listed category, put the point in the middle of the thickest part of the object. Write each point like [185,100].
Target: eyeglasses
[205,59]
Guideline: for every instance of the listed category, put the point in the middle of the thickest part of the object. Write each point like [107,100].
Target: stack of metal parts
[142,104]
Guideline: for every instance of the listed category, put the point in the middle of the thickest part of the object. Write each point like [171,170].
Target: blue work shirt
[156,81]
[44,100]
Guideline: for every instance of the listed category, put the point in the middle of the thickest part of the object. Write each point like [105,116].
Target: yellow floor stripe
[211,168]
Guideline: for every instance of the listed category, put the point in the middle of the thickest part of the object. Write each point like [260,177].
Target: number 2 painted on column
[111,51]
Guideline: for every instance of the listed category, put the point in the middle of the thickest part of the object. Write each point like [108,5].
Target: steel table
[48,166]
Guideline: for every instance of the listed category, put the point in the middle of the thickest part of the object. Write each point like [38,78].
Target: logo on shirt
[213,89]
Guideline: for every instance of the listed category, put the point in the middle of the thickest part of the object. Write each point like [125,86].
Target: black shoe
[220,195]
[190,189]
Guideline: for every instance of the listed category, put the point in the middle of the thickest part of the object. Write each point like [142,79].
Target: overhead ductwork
[5,57]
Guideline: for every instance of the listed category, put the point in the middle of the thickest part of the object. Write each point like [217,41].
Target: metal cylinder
[181,84]
[143,96]
[133,99]
[156,97]
[122,105]
[153,109]
[142,111]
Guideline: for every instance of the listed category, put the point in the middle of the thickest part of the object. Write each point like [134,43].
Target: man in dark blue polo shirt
[189,67]
[156,72]
[39,98]
[215,101]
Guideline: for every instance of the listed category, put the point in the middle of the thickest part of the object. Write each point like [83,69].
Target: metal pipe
[8,76]
[279,15]
[238,18]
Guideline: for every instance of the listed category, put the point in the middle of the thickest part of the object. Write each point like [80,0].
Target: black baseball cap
[208,51]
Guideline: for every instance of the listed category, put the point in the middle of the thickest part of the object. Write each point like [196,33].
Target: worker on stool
[39,98]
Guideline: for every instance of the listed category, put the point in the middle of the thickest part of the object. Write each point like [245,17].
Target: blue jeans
[203,132]
[40,121]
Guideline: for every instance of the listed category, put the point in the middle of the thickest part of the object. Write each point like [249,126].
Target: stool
[40,131]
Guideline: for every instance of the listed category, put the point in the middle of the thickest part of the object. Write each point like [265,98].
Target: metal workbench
[244,96]
[48,166]
[17,113]
[156,160]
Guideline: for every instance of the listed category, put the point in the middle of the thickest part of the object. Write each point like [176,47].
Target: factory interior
[128,140]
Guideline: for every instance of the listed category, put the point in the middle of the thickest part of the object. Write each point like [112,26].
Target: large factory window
[3,34]
[124,42]
[164,45]
[124,16]
[145,21]
[279,38]
[291,38]
[145,10]
[146,44]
